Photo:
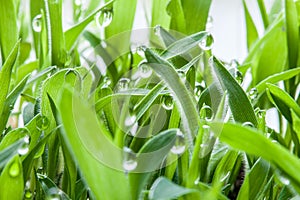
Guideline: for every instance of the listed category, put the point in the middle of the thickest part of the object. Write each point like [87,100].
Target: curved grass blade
[73,33]
[261,86]
[239,103]
[263,13]
[183,45]
[175,10]
[255,143]
[183,98]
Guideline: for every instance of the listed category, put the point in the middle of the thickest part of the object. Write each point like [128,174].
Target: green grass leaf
[163,189]
[11,180]
[72,34]
[255,143]
[93,152]
[239,103]
[252,34]
[176,13]
[8,28]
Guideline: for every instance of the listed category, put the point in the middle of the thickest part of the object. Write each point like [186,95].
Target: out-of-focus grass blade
[11,180]
[120,23]
[183,45]
[10,101]
[254,180]
[8,28]
[175,10]
[155,151]
[5,75]
[252,34]
[239,103]
[283,101]
[255,143]
[50,189]
[292,29]
[73,33]
[196,14]
[181,95]
[263,13]
[164,189]
[276,7]
[261,86]
[35,9]
[91,149]
[159,16]
[7,153]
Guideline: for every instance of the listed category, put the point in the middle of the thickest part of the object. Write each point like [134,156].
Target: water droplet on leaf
[130,120]
[14,169]
[25,147]
[129,159]
[157,30]
[179,146]
[253,94]
[238,76]
[42,123]
[27,194]
[167,102]
[103,18]
[106,81]
[123,84]
[145,70]
[37,23]
[207,42]
[206,113]
[248,124]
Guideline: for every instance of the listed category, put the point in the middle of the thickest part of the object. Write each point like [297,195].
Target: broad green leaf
[183,45]
[254,180]
[5,75]
[283,101]
[252,34]
[91,149]
[10,101]
[262,85]
[196,14]
[292,29]
[8,28]
[255,143]
[13,136]
[155,151]
[120,23]
[74,32]
[181,95]
[159,16]
[11,180]
[163,189]
[176,13]
[239,103]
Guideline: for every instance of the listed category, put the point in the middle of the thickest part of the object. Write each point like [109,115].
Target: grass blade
[252,34]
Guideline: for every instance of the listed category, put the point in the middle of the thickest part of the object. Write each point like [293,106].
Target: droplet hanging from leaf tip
[14,169]
[103,18]
[167,102]
[179,146]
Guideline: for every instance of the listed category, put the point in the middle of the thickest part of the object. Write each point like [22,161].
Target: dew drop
[103,18]
[78,3]
[42,123]
[106,81]
[123,84]
[261,114]
[198,89]
[27,194]
[206,113]
[37,23]
[234,63]
[25,147]
[182,75]
[284,180]
[209,23]
[140,50]
[157,30]
[145,70]
[11,107]
[167,102]
[196,182]
[253,94]
[207,42]
[248,124]
[179,146]
[129,159]
[14,169]
[238,76]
